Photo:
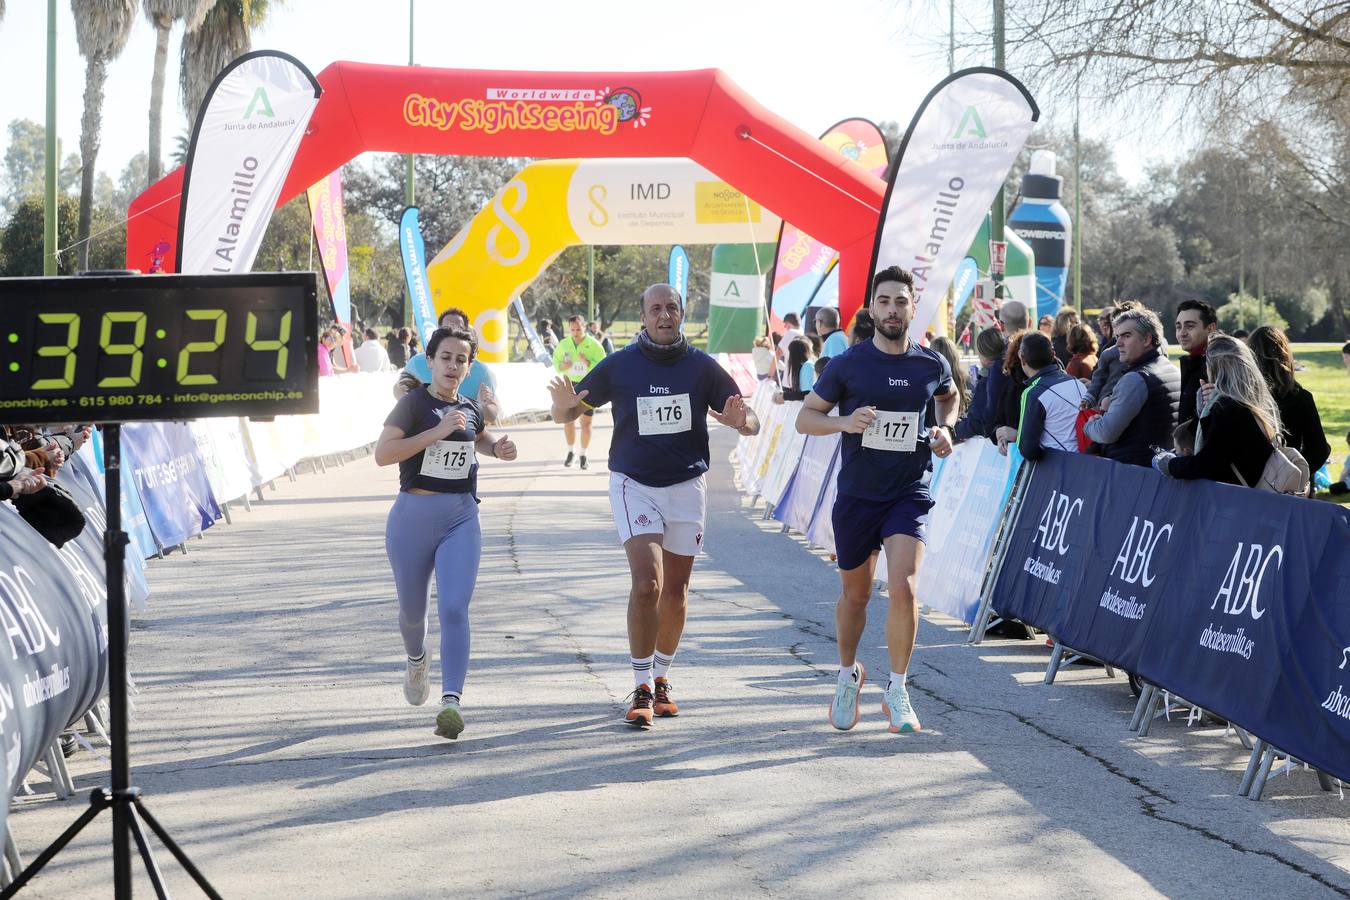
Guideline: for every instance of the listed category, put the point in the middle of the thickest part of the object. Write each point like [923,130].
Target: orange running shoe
[639,713]
[662,705]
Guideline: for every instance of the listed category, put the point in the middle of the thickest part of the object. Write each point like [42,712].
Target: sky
[811,63]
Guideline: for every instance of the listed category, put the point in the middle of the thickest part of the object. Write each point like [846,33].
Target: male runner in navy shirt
[882,388]
[662,390]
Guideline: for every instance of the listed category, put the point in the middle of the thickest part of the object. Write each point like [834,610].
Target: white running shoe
[899,712]
[844,708]
[449,721]
[416,687]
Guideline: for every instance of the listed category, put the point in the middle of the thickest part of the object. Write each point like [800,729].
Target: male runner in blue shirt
[662,391]
[882,388]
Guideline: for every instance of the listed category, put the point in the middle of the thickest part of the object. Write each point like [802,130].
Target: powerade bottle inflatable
[1043,222]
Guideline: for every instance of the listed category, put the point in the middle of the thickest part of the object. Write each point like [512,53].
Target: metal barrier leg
[1259,786]
[258,491]
[1145,696]
[1110,672]
[1323,779]
[1147,723]
[1253,763]
[1056,655]
[13,861]
[248,507]
[55,770]
[225,508]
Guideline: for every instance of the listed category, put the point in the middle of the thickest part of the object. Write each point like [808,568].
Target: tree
[130,183]
[224,34]
[21,238]
[24,160]
[162,15]
[101,31]
[450,190]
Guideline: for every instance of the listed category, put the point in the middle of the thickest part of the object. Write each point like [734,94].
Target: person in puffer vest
[1141,411]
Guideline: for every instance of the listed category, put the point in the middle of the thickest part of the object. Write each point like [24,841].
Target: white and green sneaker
[899,712]
[844,708]
[449,722]
[416,688]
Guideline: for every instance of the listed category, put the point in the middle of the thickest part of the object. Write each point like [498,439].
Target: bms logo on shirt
[659,390]
[899,382]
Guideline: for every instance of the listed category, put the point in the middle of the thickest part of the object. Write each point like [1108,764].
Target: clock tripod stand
[122,798]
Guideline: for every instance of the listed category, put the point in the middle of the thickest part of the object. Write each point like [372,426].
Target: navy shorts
[861,524]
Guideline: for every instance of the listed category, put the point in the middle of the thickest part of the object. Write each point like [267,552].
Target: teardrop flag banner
[678,277]
[247,132]
[414,252]
[801,261]
[952,161]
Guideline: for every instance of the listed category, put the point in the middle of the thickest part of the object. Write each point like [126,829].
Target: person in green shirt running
[575,356]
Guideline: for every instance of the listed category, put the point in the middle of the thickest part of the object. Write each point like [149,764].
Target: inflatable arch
[697,114]
[554,204]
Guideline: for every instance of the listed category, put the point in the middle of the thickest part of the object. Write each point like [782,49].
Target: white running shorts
[676,513]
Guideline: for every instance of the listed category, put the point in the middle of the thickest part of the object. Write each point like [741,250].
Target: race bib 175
[450,460]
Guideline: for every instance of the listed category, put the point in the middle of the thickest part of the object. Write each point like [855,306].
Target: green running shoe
[449,722]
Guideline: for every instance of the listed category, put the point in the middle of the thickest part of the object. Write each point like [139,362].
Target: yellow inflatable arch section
[554,204]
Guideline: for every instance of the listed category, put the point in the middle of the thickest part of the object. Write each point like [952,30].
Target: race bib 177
[897,431]
[450,460]
[664,415]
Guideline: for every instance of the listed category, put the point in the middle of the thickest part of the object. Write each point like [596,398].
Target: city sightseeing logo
[600,110]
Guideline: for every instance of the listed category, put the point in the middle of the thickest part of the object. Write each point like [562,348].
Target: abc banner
[736,296]
[1230,597]
[247,132]
[952,162]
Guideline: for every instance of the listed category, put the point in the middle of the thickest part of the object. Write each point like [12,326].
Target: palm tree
[101,31]
[162,15]
[224,34]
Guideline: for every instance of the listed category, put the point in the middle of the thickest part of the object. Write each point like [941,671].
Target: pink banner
[330,235]
[802,260]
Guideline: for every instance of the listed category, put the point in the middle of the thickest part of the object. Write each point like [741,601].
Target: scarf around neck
[661,352]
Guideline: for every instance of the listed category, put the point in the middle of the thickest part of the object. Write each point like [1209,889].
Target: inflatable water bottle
[1043,222]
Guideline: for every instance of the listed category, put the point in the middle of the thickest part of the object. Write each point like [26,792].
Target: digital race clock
[114,349]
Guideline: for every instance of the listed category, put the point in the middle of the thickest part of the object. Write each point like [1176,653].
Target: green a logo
[971,119]
[261,104]
[732,289]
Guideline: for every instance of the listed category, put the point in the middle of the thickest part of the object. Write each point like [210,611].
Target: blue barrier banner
[134,521]
[821,530]
[168,474]
[1230,597]
[969,490]
[804,491]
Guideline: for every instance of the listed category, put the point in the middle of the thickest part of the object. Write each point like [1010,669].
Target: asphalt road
[272,738]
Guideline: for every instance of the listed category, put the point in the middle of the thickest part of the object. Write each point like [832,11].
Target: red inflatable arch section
[699,114]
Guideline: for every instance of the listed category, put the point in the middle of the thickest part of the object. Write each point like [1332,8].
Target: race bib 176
[450,460]
[897,431]
[664,415]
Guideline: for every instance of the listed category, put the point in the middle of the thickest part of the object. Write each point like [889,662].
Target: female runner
[435,435]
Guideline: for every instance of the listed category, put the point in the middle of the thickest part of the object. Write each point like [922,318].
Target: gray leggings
[437,533]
